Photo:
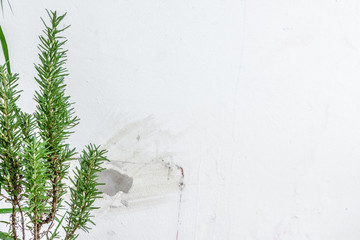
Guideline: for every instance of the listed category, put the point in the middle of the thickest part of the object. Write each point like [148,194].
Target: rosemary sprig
[34,152]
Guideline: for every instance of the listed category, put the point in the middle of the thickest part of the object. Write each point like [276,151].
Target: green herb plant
[35,155]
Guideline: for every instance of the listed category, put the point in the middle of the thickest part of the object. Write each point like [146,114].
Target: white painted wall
[257,100]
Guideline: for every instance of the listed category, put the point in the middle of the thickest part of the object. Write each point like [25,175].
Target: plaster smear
[141,171]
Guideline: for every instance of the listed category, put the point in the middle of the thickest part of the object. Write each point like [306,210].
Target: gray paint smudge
[114,182]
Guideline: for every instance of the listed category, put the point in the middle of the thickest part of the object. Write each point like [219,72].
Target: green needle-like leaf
[5,236]
[9,210]
[5,48]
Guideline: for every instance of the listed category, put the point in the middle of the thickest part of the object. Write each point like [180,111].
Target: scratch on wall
[181,185]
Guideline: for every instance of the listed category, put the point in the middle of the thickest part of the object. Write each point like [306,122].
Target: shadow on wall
[141,171]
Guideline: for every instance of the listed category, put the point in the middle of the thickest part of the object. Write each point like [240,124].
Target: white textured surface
[257,100]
